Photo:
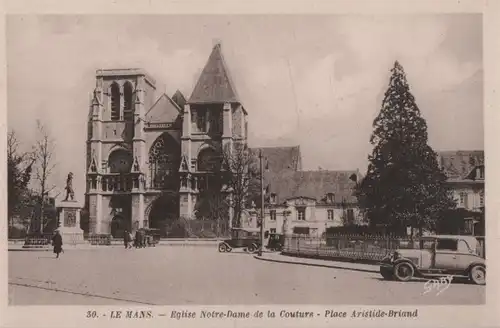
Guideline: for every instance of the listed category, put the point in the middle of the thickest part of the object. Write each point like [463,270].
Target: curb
[316,265]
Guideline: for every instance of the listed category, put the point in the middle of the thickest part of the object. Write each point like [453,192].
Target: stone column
[137,220]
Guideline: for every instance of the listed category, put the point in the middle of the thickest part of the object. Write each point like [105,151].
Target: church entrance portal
[164,215]
[118,226]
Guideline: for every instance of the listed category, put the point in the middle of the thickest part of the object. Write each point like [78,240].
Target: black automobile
[275,242]
[247,238]
[152,237]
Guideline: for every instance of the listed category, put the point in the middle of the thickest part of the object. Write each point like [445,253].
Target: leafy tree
[19,167]
[404,185]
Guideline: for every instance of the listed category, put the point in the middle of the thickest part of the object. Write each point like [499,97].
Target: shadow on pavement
[422,280]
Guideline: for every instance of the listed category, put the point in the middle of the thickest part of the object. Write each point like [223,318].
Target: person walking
[126,239]
[137,239]
[57,243]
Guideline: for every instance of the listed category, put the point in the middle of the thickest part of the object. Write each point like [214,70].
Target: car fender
[476,263]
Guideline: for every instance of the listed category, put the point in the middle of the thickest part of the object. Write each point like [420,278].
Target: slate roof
[179,99]
[459,164]
[163,110]
[312,184]
[214,84]
[278,159]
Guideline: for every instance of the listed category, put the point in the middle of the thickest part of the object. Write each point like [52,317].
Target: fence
[183,228]
[353,247]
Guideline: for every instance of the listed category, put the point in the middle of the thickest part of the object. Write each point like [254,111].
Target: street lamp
[261,203]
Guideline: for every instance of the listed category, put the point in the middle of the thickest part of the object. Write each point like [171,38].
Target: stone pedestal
[69,223]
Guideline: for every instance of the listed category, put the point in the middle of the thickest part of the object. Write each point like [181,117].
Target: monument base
[69,223]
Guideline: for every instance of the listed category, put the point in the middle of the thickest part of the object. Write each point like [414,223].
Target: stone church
[149,157]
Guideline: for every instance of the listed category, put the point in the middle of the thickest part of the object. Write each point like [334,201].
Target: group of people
[139,241]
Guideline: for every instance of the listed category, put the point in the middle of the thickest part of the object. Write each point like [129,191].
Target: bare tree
[241,178]
[44,152]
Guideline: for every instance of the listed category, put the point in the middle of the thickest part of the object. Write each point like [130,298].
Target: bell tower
[213,120]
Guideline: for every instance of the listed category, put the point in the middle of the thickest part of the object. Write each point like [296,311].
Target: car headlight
[395,256]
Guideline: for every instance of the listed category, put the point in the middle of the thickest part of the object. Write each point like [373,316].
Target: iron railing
[353,247]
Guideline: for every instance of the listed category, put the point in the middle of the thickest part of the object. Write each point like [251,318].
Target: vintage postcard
[175,165]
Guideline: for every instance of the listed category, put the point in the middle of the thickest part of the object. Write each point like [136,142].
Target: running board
[443,275]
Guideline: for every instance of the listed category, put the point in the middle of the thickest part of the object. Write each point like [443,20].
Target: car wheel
[228,249]
[403,271]
[251,248]
[477,275]
[386,274]
[222,248]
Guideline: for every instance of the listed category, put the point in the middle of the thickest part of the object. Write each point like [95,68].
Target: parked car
[441,255]
[275,242]
[152,237]
[248,238]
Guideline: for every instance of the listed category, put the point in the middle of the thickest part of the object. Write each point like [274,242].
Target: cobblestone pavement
[201,275]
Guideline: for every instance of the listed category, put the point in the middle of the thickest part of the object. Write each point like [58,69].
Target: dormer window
[272,199]
[330,198]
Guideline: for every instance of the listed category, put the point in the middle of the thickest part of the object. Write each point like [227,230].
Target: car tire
[228,249]
[386,274]
[477,274]
[403,271]
[222,248]
[251,249]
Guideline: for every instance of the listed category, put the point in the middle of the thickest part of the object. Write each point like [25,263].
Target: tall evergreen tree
[404,185]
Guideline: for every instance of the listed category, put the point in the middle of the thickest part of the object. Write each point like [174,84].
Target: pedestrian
[137,239]
[57,242]
[126,239]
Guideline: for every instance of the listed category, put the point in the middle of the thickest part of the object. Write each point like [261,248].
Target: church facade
[149,157]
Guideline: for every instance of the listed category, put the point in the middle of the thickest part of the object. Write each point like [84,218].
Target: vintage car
[441,255]
[248,238]
[275,242]
[152,237]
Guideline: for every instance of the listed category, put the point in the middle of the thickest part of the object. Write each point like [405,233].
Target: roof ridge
[215,83]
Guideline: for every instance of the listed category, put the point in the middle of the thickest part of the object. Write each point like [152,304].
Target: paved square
[168,275]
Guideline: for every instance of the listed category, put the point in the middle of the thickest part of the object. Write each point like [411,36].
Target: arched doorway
[164,214]
[118,226]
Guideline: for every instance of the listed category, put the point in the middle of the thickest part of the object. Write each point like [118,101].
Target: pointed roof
[458,164]
[214,84]
[279,159]
[163,110]
[179,99]
[313,184]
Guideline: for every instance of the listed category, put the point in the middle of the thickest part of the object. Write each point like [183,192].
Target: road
[200,275]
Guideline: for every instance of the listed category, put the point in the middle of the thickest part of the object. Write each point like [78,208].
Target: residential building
[465,173]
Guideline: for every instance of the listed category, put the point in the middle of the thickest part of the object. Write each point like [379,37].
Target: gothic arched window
[120,161]
[164,163]
[115,102]
[128,105]
[208,160]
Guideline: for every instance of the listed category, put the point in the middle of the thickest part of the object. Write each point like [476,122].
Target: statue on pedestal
[69,187]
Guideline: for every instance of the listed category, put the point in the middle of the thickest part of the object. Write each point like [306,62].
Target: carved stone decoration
[69,218]
[184,167]
[93,166]
[97,98]
[135,166]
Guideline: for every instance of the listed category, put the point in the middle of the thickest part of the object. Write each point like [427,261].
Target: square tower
[213,120]
[116,152]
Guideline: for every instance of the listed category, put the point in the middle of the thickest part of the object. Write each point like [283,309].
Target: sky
[311,80]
